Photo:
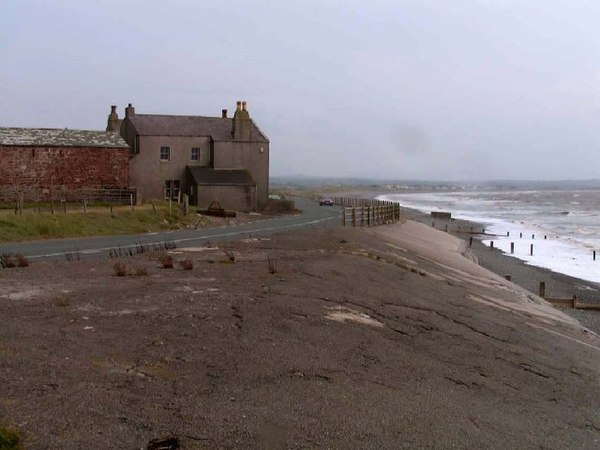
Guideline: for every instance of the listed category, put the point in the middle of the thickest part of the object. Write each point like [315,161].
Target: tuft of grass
[230,256]
[186,264]
[7,260]
[60,301]
[120,269]
[271,265]
[141,272]
[22,261]
[10,439]
[166,260]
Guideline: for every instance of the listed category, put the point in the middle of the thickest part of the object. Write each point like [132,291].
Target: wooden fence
[367,212]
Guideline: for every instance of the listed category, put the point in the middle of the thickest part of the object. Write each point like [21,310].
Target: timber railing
[367,212]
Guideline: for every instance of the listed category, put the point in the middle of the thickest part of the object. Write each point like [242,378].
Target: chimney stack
[129,111]
[113,123]
[224,113]
[241,122]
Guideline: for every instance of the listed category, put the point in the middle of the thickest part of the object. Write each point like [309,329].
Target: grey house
[208,158]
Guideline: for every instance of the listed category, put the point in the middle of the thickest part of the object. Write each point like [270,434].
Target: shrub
[186,264]
[166,260]
[279,206]
[120,269]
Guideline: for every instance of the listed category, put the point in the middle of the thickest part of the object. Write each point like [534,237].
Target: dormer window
[165,153]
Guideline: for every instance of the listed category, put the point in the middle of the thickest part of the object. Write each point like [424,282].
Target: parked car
[326,201]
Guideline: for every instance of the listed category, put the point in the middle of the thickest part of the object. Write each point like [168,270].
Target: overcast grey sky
[446,89]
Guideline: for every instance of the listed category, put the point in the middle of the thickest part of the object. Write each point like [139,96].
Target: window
[195,154]
[172,189]
[165,153]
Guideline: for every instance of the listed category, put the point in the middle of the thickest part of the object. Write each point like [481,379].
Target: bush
[166,260]
[279,206]
[186,264]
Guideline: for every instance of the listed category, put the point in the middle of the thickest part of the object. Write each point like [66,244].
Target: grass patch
[10,439]
[96,222]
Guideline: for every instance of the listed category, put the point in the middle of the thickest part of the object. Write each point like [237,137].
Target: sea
[562,224]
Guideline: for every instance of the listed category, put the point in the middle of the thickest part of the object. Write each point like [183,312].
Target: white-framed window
[165,153]
[172,189]
[195,156]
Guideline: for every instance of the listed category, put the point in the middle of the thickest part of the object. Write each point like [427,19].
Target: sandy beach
[386,337]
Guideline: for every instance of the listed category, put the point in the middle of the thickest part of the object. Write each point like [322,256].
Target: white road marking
[197,238]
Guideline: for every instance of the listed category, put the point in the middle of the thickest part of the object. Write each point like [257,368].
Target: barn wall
[38,171]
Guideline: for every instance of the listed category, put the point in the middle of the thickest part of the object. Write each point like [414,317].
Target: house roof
[220,129]
[207,176]
[60,137]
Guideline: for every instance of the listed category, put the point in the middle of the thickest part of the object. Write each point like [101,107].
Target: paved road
[95,246]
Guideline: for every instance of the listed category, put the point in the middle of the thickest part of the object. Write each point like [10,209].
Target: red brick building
[43,163]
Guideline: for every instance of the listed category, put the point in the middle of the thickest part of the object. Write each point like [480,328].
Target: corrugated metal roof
[203,176]
[60,137]
[220,129]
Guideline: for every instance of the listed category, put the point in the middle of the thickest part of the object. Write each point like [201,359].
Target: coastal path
[58,249]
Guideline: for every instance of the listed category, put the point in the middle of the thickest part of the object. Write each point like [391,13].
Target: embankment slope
[378,338]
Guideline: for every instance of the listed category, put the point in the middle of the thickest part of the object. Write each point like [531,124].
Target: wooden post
[520,235]
[362,216]
[507,233]
[343,216]
[531,250]
[533,236]
[491,245]
[512,248]
[542,289]
[470,240]
[21,200]
[354,216]
[368,216]
[574,302]
[131,202]
[594,255]
[186,204]
[84,205]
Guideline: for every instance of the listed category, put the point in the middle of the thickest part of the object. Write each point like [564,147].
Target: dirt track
[354,342]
